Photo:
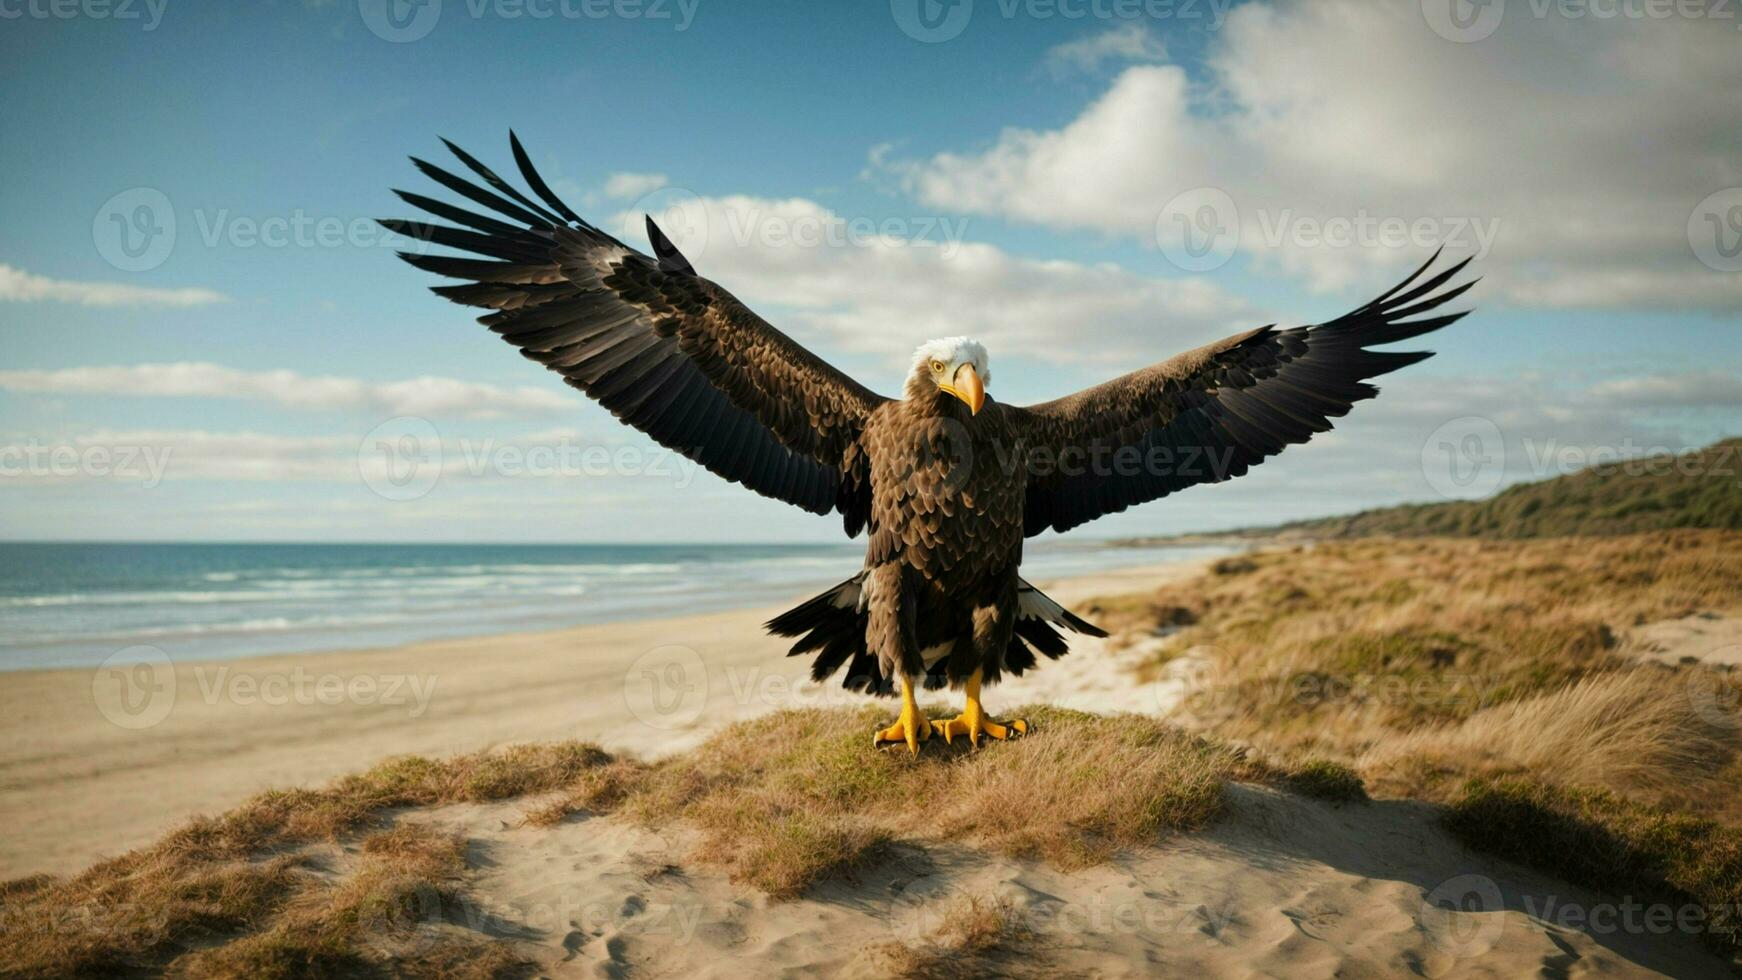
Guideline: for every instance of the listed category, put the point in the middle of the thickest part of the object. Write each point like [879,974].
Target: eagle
[945,482]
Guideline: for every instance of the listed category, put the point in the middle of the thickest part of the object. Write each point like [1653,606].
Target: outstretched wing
[1211,414]
[663,349]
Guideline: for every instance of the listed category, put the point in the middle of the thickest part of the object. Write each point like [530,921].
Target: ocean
[70,604]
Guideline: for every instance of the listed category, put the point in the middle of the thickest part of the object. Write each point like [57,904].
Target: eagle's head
[953,365]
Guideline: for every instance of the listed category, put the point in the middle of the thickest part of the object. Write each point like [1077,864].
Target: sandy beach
[101,761]
[98,761]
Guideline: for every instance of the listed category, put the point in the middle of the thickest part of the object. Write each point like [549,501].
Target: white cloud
[148,456]
[591,486]
[1131,42]
[424,396]
[1586,144]
[624,186]
[557,457]
[1694,389]
[20,286]
[883,286]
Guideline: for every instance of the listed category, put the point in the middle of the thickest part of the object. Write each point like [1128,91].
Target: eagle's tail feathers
[1035,606]
[829,608]
[830,627]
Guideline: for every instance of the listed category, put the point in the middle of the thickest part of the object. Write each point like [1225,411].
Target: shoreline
[103,760]
[316,599]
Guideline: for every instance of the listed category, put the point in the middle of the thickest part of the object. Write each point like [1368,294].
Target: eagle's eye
[937,367]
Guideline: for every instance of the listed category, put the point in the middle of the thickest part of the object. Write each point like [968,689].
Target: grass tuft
[405,877]
[788,800]
[1324,779]
[231,895]
[978,937]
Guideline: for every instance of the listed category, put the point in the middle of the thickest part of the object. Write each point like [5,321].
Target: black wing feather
[661,348]
[1212,414]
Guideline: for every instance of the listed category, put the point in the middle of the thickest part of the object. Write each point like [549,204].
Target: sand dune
[1286,887]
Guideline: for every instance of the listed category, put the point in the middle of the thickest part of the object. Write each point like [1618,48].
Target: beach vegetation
[977,937]
[1645,492]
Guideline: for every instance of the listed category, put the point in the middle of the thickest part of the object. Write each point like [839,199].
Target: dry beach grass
[324,881]
[1507,679]
[1424,661]
[246,893]
[788,800]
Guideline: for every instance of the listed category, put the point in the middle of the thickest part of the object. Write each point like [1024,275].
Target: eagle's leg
[973,722]
[889,635]
[910,728]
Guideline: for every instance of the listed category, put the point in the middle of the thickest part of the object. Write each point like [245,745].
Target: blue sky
[1020,168]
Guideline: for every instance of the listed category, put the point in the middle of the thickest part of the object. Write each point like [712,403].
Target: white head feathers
[955,351]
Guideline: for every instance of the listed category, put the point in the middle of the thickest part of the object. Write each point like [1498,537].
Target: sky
[203,336]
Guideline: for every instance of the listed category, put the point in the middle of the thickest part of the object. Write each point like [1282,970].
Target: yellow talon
[910,728]
[973,722]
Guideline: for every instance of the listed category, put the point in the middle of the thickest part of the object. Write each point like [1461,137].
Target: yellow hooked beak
[967,387]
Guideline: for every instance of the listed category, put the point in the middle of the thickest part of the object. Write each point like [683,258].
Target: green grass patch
[1324,779]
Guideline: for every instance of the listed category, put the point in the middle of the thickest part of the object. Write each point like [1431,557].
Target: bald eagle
[946,481]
